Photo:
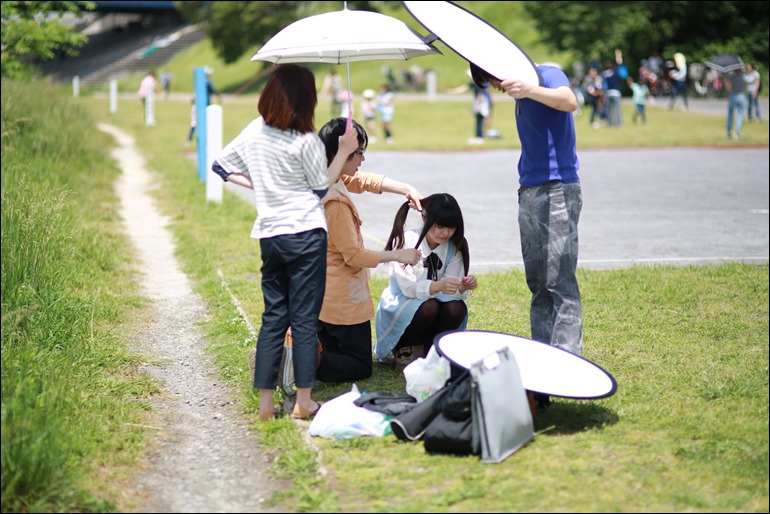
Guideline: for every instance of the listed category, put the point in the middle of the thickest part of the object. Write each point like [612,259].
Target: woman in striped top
[283,160]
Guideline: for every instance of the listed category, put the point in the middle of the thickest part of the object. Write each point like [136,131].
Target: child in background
[385,108]
[369,113]
[640,93]
[193,122]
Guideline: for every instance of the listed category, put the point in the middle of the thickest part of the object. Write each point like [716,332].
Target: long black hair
[441,209]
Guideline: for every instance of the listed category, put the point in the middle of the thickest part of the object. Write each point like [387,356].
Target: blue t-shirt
[548,144]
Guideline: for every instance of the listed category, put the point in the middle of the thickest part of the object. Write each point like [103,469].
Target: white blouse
[413,280]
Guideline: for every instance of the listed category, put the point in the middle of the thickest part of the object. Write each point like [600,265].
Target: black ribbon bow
[433,263]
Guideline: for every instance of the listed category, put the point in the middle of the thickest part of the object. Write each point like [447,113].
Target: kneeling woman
[424,300]
[344,326]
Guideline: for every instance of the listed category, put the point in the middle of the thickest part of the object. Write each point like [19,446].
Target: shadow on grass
[565,416]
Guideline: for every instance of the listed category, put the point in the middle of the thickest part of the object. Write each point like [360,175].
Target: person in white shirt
[678,76]
[428,298]
[753,85]
[283,160]
[386,108]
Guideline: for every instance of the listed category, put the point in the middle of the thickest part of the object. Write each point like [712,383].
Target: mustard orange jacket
[347,300]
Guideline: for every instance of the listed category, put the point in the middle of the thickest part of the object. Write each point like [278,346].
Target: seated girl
[344,327]
[428,298]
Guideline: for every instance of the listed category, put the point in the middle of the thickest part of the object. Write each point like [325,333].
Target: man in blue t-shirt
[550,201]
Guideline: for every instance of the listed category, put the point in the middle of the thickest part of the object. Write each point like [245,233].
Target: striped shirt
[285,168]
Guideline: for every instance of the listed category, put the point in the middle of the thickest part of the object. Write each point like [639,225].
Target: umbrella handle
[349,123]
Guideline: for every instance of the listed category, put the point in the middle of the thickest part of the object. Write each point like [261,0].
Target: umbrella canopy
[343,37]
[725,62]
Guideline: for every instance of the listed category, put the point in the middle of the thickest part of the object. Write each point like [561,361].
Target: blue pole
[201,102]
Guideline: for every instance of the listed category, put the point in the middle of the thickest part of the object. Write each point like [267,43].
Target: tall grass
[68,384]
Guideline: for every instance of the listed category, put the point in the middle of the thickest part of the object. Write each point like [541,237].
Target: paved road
[662,206]
[676,206]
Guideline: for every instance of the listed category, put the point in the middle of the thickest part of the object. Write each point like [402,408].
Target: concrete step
[146,58]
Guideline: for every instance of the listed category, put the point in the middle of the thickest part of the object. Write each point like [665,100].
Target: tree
[33,30]
[239,27]
[698,29]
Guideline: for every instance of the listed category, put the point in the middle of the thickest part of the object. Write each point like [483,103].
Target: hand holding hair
[409,256]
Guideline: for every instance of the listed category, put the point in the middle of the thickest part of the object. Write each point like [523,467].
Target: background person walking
[193,122]
[165,82]
[148,83]
[736,103]
[753,86]
[678,76]
[385,108]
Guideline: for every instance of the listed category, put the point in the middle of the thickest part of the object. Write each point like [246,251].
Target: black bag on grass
[451,430]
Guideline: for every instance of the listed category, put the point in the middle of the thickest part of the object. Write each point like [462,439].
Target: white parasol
[343,37]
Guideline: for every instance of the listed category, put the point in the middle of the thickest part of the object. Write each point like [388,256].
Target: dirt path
[205,459]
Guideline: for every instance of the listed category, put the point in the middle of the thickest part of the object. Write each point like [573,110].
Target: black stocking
[432,318]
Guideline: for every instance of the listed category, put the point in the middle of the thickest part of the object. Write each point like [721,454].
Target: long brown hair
[289,99]
[440,208]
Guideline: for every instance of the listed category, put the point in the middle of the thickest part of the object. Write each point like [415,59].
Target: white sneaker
[389,140]
[475,141]
[388,360]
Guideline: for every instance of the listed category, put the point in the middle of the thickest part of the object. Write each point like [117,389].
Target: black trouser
[293,285]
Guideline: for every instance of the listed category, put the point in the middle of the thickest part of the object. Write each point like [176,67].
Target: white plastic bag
[340,418]
[426,375]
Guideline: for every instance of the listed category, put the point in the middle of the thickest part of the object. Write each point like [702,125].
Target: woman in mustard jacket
[344,327]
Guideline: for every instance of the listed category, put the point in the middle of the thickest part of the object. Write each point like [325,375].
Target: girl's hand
[450,285]
[468,283]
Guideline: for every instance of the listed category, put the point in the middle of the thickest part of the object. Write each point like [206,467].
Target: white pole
[431,85]
[113,96]
[214,184]
[149,107]
[76,86]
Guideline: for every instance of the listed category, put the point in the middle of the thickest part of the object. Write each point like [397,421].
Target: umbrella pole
[350,96]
